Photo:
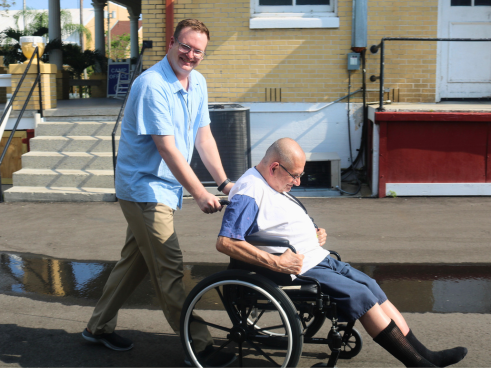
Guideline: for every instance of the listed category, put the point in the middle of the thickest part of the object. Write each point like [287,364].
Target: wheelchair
[264,317]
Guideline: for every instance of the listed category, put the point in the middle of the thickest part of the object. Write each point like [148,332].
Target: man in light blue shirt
[165,118]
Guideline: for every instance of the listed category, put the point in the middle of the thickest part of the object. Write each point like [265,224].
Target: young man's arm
[180,168]
[288,262]
[208,151]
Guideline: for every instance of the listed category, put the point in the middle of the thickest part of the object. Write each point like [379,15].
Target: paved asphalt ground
[44,332]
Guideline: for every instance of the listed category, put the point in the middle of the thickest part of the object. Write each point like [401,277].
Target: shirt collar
[175,85]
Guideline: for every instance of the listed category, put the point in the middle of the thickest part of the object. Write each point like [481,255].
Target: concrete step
[73,144]
[64,178]
[79,128]
[68,160]
[59,194]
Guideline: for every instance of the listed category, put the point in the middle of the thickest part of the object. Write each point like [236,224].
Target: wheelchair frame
[300,311]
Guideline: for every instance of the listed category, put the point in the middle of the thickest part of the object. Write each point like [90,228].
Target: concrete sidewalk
[46,333]
[408,230]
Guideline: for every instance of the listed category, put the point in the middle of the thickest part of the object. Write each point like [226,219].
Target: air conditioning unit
[230,125]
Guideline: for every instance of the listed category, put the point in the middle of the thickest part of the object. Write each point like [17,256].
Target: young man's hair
[194,24]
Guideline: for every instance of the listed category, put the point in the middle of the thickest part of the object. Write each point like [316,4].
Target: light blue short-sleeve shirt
[158,105]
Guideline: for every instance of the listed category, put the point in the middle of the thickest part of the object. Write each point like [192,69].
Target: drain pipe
[169,22]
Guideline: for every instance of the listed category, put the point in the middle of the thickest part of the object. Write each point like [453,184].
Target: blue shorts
[354,292]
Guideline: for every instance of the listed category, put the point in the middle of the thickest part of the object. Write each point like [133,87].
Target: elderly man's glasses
[295,177]
[186,49]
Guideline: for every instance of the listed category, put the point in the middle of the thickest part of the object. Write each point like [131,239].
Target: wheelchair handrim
[242,283]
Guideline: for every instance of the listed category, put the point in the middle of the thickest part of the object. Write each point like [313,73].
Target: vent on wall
[272,94]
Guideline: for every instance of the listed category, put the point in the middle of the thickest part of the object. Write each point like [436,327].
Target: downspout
[169,22]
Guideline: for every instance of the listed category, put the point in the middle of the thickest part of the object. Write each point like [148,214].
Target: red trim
[382,159]
[488,156]
[432,116]
[169,22]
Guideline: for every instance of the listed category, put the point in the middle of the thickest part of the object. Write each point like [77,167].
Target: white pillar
[100,44]
[54,31]
[134,35]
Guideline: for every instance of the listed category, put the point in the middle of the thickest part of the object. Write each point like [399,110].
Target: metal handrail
[374,49]
[21,113]
[146,45]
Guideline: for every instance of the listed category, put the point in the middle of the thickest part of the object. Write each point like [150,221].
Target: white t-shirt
[256,208]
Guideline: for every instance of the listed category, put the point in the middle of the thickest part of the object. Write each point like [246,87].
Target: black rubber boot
[394,341]
[442,358]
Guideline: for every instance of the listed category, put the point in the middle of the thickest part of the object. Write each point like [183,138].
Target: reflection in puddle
[411,287]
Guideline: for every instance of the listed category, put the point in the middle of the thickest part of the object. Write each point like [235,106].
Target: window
[293,14]
[470,3]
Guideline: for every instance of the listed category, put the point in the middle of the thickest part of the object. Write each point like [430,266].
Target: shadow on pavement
[40,347]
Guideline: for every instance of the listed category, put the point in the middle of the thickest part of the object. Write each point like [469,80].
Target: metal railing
[137,72]
[6,112]
[374,49]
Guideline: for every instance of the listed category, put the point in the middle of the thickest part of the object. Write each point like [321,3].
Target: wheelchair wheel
[353,344]
[246,314]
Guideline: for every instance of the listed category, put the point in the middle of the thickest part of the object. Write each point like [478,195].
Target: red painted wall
[434,148]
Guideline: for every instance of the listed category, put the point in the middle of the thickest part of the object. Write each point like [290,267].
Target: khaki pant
[151,246]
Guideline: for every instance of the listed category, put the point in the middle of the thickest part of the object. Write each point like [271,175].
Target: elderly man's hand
[321,236]
[290,262]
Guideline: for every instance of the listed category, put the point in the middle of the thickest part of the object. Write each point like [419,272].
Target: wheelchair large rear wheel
[246,314]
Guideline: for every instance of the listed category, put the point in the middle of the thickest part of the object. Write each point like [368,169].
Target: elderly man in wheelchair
[281,284]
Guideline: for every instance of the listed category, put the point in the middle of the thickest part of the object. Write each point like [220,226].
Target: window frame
[293,16]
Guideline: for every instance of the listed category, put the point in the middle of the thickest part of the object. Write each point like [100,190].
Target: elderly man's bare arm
[288,262]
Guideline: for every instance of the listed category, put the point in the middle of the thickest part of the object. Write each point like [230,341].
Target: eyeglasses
[295,177]
[198,54]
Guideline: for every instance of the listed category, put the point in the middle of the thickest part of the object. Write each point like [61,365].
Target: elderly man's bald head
[284,150]
[282,165]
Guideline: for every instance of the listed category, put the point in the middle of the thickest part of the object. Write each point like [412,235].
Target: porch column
[134,35]
[100,43]
[54,31]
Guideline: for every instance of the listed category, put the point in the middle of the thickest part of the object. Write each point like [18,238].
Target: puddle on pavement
[411,287]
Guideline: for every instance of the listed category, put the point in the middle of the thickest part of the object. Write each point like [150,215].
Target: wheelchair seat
[265,317]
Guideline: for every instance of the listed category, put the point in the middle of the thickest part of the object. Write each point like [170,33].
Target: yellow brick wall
[48,90]
[309,65]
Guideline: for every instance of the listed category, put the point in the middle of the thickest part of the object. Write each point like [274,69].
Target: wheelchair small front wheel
[262,328]
[351,345]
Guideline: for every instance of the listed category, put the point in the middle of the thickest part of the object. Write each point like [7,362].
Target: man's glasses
[295,177]
[186,49]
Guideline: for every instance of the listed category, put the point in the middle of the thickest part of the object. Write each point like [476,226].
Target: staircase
[70,159]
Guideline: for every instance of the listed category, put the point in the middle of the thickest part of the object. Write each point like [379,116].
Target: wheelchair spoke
[262,353]
[210,324]
[240,354]
[220,295]
[270,328]
[258,317]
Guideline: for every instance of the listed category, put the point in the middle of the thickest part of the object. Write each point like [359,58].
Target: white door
[464,67]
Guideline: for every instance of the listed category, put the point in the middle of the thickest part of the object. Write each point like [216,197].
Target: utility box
[230,125]
[353,61]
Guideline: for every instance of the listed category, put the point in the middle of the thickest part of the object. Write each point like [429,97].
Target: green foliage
[6,4]
[37,25]
[36,20]
[392,194]
[119,47]
[78,61]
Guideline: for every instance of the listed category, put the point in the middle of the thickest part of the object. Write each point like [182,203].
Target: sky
[43,4]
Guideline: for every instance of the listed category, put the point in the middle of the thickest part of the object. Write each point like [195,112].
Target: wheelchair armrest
[335,254]
[261,241]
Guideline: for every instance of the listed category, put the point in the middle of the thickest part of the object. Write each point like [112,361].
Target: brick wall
[48,89]
[304,65]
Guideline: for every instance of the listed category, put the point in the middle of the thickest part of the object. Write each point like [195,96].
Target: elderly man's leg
[442,358]
[359,297]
